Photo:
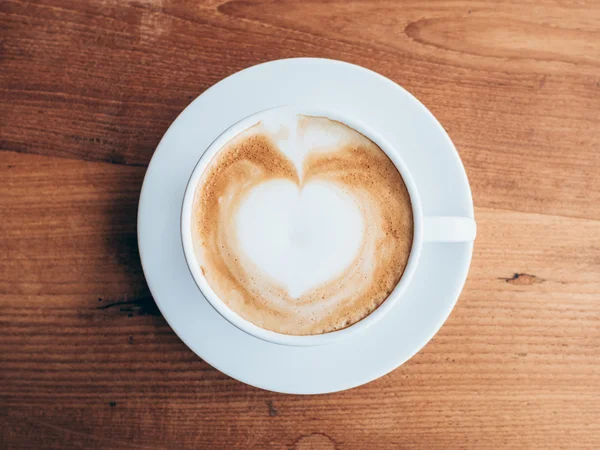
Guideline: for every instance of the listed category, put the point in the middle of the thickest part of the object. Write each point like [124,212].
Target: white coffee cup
[426,229]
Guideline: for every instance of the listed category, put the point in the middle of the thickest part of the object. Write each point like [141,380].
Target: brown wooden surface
[89,87]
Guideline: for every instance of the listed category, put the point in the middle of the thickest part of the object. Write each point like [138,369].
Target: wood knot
[314,441]
[272,410]
[523,279]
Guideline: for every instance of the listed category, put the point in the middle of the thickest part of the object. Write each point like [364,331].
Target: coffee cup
[425,229]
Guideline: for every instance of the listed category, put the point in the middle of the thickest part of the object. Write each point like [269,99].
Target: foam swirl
[313,150]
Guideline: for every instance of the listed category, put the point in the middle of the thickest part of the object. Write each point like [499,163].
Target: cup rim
[249,327]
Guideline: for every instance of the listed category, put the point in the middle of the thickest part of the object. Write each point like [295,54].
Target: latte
[302,225]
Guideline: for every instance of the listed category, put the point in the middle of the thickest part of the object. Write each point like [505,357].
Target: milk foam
[304,236]
[303,225]
[300,237]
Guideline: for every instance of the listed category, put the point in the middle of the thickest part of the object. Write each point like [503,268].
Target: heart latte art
[302,225]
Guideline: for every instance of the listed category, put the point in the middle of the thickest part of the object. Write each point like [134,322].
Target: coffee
[302,225]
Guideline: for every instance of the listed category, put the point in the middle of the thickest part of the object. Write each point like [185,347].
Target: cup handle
[449,229]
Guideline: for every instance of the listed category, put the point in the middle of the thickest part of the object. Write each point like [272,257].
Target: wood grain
[88,88]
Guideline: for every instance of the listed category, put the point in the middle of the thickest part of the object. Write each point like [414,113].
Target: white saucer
[425,148]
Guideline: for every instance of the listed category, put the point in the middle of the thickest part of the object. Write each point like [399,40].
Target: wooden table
[88,89]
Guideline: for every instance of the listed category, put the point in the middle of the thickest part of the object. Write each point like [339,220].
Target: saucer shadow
[122,247]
